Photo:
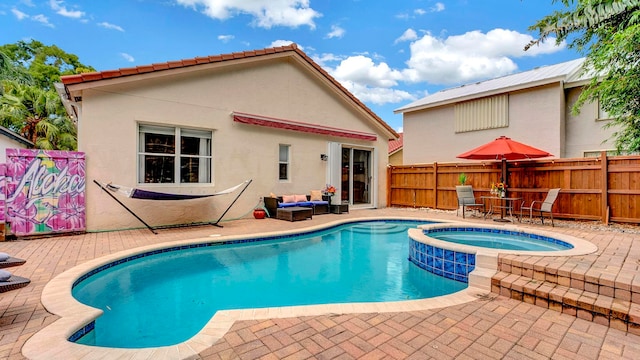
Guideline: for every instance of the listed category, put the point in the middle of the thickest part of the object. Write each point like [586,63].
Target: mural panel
[44,191]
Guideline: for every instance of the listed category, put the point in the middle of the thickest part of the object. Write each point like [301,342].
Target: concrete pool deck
[492,326]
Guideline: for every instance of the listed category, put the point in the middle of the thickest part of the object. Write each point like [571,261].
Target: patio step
[602,309]
[579,275]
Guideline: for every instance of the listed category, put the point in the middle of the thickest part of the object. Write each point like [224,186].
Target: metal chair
[544,206]
[466,199]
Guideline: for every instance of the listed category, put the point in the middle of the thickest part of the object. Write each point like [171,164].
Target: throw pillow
[273,195]
[288,199]
[301,198]
[316,195]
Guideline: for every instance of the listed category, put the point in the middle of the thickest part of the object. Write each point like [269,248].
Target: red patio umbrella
[503,148]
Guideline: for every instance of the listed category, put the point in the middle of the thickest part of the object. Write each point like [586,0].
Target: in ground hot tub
[469,253]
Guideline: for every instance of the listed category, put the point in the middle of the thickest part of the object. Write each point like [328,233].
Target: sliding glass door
[356,176]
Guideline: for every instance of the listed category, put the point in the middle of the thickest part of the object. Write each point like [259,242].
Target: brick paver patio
[491,327]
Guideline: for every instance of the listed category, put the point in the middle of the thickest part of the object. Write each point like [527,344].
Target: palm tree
[588,16]
[38,115]
[8,71]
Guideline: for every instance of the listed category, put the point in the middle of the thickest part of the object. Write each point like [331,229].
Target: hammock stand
[152,195]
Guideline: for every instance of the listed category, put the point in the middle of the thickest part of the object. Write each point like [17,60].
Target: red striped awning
[301,126]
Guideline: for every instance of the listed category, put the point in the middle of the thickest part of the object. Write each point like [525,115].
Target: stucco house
[395,150]
[198,126]
[11,140]
[532,107]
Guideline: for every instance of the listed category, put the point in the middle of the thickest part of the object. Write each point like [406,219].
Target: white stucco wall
[535,118]
[8,143]
[585,132]
[205,99]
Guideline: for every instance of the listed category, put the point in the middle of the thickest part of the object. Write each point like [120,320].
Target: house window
[283,162]
[486,113]
[602,114]
[174,155]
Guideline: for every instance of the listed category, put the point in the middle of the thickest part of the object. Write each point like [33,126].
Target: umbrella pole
[504,171]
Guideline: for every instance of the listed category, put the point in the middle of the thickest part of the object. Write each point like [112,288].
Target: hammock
[153,195]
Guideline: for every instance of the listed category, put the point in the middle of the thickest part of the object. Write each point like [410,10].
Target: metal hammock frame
[152,195]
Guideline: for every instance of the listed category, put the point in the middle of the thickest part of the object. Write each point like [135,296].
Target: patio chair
[466,199]
[544,206]
[8,261]
[10,282]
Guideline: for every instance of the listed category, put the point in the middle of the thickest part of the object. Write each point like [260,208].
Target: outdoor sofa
[315,200]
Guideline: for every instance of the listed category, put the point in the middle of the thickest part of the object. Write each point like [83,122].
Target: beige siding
[535,118]
[585,132]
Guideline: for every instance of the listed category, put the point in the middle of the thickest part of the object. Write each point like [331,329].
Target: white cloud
[470,56]
[110,26]
[362,70]
[42,20]
[127,57]
[448,60]
[278,43]
[225,38]
[408,35]
[336,32]
[437,7]
[377,95]
[56,5]
[266,13]
[19,14]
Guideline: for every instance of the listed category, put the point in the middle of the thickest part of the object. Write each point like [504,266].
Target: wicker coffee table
[294,213]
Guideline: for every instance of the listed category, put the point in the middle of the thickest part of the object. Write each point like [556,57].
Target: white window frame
[602,115]
[205,152]
[286,162]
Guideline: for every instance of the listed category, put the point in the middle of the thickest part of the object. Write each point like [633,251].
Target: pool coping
[51,342]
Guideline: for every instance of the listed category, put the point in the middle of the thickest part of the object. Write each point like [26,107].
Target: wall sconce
[324,157]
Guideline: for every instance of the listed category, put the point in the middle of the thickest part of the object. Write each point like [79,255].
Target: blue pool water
[164,299]
[498,239]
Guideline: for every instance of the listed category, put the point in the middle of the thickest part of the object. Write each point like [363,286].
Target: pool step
[602,309]
[579,276]
[378,228]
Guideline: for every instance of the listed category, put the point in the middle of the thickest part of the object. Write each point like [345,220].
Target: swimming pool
[166,296]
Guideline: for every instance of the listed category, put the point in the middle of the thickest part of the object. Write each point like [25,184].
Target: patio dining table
[504,204]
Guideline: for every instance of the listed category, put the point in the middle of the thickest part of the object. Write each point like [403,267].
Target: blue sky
[387,53]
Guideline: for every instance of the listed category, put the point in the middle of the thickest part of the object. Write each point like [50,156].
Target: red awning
[301,126]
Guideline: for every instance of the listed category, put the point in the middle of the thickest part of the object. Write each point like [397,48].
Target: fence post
[435,185]
[605,188]
[389,167]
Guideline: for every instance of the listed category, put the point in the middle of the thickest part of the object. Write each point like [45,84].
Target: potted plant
[462,178]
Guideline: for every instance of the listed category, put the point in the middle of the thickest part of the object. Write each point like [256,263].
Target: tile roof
[538,76]
[395,145]
[169,65]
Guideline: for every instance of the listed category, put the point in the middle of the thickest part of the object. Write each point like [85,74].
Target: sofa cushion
[316,195]
[284,204]
[301,198]
[289,199]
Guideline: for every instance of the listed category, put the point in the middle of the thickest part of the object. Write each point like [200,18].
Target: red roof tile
[110,74]
[395,145]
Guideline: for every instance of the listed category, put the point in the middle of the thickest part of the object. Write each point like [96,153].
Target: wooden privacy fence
[602,188]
